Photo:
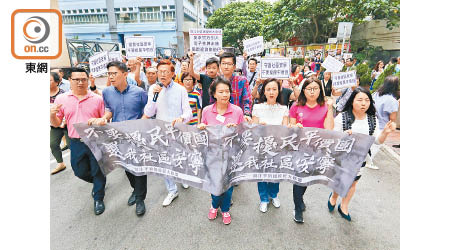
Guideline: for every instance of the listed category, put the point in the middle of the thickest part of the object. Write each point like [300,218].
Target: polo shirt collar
[214,108]
[125,90]
[88,95]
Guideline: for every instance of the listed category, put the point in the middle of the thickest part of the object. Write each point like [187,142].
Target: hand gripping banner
[218,157]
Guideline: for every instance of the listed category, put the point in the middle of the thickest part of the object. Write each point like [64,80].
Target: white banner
[239,62]
[344,30]
[332,65]
[332,40]
[97,63]
[205,40]
[143,46]
[254,45]
[342,80]
[347,55]
[279,68]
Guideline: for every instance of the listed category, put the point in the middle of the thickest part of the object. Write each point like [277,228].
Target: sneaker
[226,218]
[371,166]
[276,202]
[263,206]
[170,197]
[298,216]
[212,213]
[185,186]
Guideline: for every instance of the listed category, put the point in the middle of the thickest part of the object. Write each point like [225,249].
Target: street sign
[344,27]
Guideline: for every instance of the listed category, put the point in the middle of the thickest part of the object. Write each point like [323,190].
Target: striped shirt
[195,102]
[241,95]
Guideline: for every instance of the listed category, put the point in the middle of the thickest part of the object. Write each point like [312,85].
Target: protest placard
[342,80]
[239,62]
[347,55]
[254,45]
[279,68]
[143,46]
[114,56]
[332,40]
[205,40]
[200,61]
[97,63]
[332,65]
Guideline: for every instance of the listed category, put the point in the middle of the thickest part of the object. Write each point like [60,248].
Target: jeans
[268,190]
[171,185]
[86,167]
[56,135]
[223,201]
[298,192]
[139,185]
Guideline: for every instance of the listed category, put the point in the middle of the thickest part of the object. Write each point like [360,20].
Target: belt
[76,139]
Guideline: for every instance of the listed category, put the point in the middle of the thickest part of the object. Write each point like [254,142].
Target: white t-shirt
[270,114]
[358,126]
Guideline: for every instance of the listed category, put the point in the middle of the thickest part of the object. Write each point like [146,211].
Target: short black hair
[120,65]
[74,69]
[186,74]
[294,68]
[390,87]
[55,77]
[262,96]
[211,61]
[253,59]
[228,55]
[219,80]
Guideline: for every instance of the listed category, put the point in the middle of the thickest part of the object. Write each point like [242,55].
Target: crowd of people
[219,95]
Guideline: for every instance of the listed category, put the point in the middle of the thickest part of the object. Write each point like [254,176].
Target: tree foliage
[240,21]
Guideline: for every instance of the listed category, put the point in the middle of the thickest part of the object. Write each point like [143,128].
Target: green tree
[240,21]
[314,21]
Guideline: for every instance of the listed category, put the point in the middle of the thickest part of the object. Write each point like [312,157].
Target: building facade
[89,19]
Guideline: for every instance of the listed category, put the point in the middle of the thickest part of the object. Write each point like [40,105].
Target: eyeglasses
[313,89]
[164,72]
[113,74]
[79,79]
[228,64]
[188,80]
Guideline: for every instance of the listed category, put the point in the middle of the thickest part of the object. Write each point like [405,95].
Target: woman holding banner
[309,111]
[222,112]
[358,116]
[270,111]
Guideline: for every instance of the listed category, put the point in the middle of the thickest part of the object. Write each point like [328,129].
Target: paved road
[375,212]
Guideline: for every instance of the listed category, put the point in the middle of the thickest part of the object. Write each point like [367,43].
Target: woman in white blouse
[358,116]
[269,111]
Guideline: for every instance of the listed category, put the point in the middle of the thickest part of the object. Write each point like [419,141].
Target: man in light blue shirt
[125,102]
[171,105]
[136,74]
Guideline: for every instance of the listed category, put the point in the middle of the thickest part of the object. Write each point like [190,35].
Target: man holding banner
[125,102]
[170,103]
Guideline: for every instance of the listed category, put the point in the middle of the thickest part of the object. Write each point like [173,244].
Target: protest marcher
[306,69]
[204,80]
[310,110]
[222,112]
[125,102]
[238,72]
[287,95]
[318,61]
[386,105]
[240,95]
[63,84]
[92,85]
[376,72]
[136,73]
[349,64]
[195,101]
[270,111]
[184,69]
[170,103]
[296,76]
[327,83]
[79,106]
[251,74]
[57,133]
[358,116]
[151,74]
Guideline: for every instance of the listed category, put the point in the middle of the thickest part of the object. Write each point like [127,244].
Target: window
[63,11]
[130,8]
[168,16]
[69,12]
[172,7]
[126,17]
[105,10]
[150,14]
[99,10]
[124,9]
[117,9]
[92,11]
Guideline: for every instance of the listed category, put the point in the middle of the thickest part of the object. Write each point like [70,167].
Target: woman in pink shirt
[222,112]
[309,111]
